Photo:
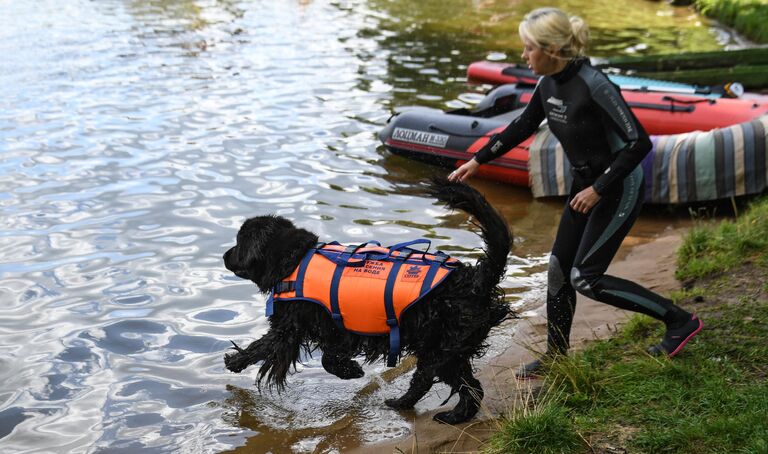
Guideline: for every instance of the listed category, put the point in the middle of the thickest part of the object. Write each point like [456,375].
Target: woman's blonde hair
[547,27]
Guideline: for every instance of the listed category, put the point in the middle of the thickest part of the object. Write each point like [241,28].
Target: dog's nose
[227,255]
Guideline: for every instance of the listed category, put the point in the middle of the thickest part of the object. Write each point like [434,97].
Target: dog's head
[268,249]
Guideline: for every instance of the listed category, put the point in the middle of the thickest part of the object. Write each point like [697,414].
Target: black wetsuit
[604,143]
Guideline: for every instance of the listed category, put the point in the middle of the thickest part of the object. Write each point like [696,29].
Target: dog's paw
[235,362]
[344,369]
[353,370]
[399,404]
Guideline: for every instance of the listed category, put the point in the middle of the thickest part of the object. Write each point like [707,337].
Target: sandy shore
[651,264]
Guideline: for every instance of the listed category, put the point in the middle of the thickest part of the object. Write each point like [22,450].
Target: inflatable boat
[659,113]
[498,73]
[698,164]
[449,139]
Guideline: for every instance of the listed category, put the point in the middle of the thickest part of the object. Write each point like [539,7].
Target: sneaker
[675,339]
[534,369]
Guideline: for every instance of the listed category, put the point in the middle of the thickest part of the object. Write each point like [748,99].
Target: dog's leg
[421,382]
[463,382]
[341,366]
[243,357]
[279,348]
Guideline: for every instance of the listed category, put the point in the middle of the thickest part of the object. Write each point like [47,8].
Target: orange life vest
[365,287]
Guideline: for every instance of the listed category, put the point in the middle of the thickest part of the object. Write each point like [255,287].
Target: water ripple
[136,137]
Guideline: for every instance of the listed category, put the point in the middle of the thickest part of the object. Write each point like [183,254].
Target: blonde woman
[605,144]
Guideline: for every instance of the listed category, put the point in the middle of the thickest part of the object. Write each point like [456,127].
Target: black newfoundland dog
[445,330]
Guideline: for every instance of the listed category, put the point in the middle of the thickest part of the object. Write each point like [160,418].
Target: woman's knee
[555,276]
[583,283]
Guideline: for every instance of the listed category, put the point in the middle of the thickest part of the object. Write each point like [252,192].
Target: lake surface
[136,136]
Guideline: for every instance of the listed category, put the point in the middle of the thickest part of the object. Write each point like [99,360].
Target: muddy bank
[650,263]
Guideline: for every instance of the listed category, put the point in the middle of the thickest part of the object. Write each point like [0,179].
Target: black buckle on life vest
[346,256]
[285,286]
[440,257]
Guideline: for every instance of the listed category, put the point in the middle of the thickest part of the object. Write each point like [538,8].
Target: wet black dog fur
[445,331]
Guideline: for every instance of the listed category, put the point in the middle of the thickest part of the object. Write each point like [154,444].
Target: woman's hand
[585,200]
[463,173]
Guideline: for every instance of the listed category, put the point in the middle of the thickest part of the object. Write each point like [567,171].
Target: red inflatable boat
[498,73]
[662,113]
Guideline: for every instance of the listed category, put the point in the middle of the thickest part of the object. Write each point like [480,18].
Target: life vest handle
[400,247]
[345,257]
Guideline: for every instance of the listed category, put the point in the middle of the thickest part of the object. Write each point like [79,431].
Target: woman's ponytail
[552,27]
[579,36]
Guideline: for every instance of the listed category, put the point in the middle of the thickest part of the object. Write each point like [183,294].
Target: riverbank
[612,397]
[650,263]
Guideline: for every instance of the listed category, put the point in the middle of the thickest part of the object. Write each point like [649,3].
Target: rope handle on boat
[671,107]
[688,101]
[432,127]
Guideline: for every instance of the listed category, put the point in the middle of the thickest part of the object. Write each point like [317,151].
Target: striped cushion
[681,168]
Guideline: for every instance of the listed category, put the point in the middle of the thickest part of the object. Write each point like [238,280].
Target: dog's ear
[268,249]
[284,254]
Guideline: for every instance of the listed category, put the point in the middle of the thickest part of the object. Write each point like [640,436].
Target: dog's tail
[493,227]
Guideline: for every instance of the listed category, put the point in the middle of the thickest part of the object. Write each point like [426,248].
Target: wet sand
[650,263]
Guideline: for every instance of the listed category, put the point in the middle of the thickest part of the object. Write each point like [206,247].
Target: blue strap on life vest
[297,285]
[303,269]
[434,266]
[348,257]
[342,262]
[399,247]
[403,252]
[270,305]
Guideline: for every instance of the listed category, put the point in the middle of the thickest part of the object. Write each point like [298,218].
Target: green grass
[711,398]
[549,421]
[749,17]
[712,248]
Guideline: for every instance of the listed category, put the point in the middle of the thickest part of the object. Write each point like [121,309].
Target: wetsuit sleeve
[633,143]
[518,130]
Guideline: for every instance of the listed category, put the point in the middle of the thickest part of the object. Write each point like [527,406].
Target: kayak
[498,73]
[659,113]
[689,166]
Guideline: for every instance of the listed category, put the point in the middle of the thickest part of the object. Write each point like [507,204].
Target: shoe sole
[690,336]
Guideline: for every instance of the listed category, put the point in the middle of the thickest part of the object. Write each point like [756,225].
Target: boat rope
[688,101]
[671,107]
[432,127]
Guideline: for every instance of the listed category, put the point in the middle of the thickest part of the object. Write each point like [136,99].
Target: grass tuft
[579,379]
[713,248]
[545,429]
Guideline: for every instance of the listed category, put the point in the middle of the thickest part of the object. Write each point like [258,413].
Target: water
[136,136]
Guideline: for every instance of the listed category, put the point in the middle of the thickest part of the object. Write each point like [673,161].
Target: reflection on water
[137,135]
